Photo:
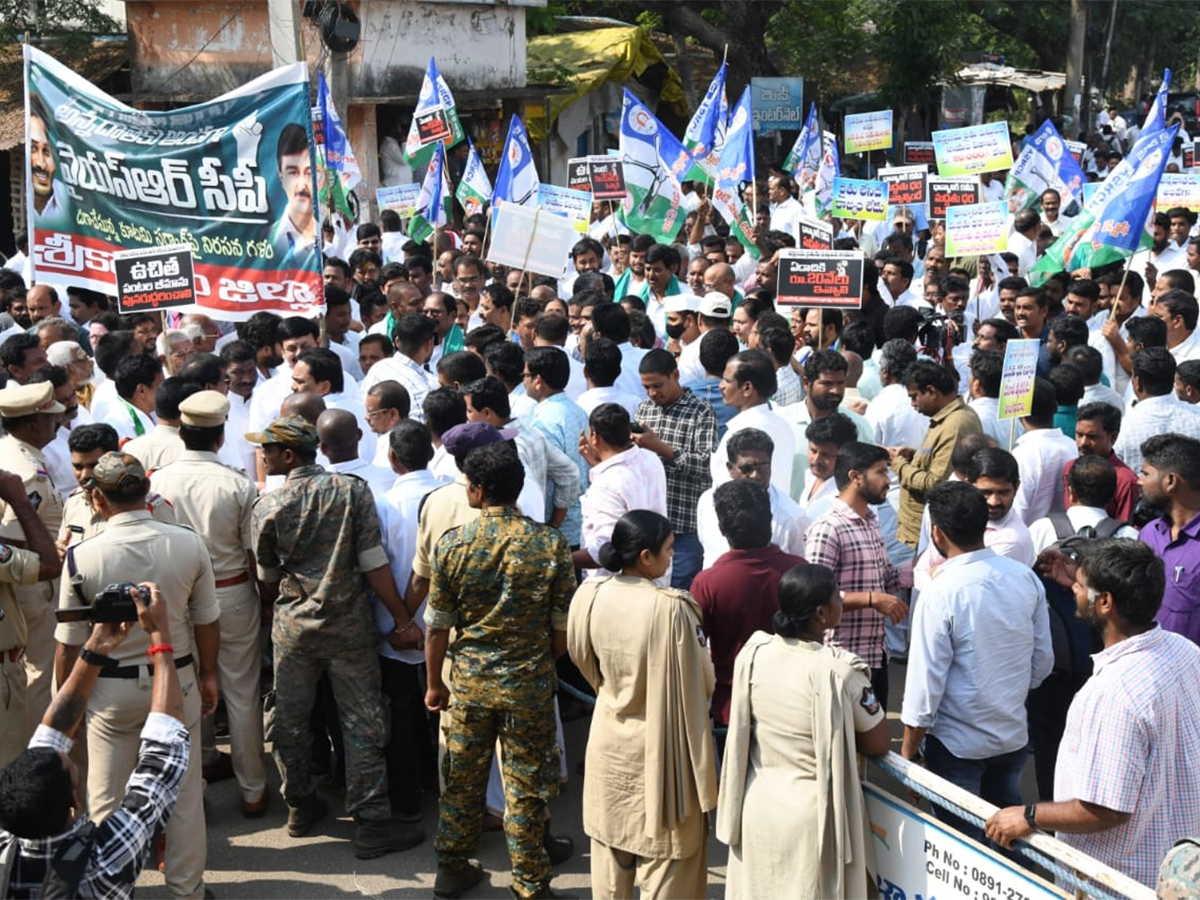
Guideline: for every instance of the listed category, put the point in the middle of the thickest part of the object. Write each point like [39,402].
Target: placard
[433,126]
[1189,156]
[868,131]
[980,229]
[947,192]
[906,185]
[820,278]
[856,198]
[918,856]
[969,151]
[1076,148]
[400,198]
[1178,190]
[919,153]
[814,234]
[1017,378]
[532,240]
[569,203]
[777,104]
[154,278]
[601,176]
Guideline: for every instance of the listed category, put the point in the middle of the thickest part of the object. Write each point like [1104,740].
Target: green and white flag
[434,121]
[652,201]
[475,188]
[433,203]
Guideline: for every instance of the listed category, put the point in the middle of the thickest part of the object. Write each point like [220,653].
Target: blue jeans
[996,779]
[689,557]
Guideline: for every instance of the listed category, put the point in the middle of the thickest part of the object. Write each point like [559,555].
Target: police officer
[18,566]
[134,547]
[316,540]
[217,501]
[29,415]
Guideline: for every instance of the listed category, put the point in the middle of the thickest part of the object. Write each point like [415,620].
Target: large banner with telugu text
[232,178]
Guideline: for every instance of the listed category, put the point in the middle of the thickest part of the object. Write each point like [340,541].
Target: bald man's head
[720,277]
[304,404]
[339,433]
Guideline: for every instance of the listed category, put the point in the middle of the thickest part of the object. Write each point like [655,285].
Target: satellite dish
[340,27]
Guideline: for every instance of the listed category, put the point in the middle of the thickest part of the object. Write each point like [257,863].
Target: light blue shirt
[561,420]
[976,652]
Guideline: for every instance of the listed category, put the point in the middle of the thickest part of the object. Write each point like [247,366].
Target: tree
[70,20]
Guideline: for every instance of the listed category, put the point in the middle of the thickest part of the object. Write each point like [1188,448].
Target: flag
[1045,163]
[435,103]
[826,173]
[652,198]
[736,166]
[1113,224]
[340,172]
[700,138]
[1156,115]
[805,156]
[433,203]
[474,189]
[517,180]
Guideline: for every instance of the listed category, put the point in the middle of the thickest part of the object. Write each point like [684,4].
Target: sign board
[969,151]
[601,176]
[568,203]
[154,278]
[820,278]
[916,856]
[947,192]
[856,198]
[906,185]
[814,234]
[1178,190]
[868,131]
[433,126]
[1076,148]
[530,239]
[977,230]
[919,153]
[1189,156]
[400,198]
[1017,378]
[777,104]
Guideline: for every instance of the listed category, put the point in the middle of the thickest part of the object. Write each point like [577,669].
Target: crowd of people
[719,516]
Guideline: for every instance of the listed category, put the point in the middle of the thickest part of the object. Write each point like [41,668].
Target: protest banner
[531,239]
[820,278]
[906,185]
[947,192]
[776,104]
[868,131]
[233,178]
[919,153]
[433,126]
[576,206]
[400,198]
[1076,148]
[154,278]
[1017,377]
[1189,156]
[1178,190]
[600,176]
[814,234]
[856,198]
[918,856]
[977,230]
[969,151]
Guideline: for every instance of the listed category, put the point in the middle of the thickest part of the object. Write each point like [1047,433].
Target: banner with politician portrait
[232,178]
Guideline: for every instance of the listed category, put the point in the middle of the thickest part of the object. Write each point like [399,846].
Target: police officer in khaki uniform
[29,415]
[134,547]
[217,502]
[18,567]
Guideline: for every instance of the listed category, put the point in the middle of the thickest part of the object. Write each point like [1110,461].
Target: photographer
[40,796]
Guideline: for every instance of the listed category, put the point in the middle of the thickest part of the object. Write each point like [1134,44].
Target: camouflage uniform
[315,534]
[505,583]
[80,521]
[1179,875]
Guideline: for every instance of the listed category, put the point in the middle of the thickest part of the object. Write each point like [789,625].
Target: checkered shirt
[689,426]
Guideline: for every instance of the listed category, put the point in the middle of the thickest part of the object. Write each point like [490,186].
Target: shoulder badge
[35,499]
[6,553]
[868,701]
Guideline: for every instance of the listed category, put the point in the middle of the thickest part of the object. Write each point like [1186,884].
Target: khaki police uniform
[81,522]
[217,502]
[37,600]
[17,567]
[156,448]
[135,547]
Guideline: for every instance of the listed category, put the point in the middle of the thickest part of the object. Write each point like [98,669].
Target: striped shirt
[1131,742]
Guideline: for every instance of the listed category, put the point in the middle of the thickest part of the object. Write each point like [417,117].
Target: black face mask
[675,332]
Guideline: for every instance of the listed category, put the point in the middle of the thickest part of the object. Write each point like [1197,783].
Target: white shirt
[1188,348]
[788,525]
[1101,393]
[1042,533]
[816,497]
[268,397]
[1117,376]
[404,370]
[593,397]
[1007,537]
[632,479]
[765,419]
[350,403]
[895,421]
[785,217]
[630,380]
[236,427]
[348,354]
[1154,415]
[988,408]
[690,367]
[1041,455]
[379,480]
[1024,249]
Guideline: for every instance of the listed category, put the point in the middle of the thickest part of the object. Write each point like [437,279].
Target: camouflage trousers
[357,690]
[529,764]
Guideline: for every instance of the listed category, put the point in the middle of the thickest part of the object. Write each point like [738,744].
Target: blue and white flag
[735,167]
[1045,163]
[433,203]
[1156,115]
[805,156]
[517,180]
[435,120]
[706,126]
[652,191]
[341,167]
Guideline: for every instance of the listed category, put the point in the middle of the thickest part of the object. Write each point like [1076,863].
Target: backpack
[65,870]
[1072,640]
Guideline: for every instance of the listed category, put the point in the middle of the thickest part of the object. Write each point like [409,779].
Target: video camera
[940,333]
[113,604]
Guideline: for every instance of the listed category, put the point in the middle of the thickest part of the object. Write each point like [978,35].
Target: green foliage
[821,42]
[649,20]
[75,21]
[540,19]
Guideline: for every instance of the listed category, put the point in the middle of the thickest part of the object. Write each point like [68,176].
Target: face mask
[675,332]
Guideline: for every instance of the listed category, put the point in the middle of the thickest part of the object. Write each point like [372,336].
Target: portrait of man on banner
[295,234]
[50,194]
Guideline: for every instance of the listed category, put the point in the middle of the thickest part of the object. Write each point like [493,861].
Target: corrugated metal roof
[1029,79]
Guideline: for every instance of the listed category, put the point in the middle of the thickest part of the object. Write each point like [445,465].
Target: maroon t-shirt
[1126,498]
[738,595]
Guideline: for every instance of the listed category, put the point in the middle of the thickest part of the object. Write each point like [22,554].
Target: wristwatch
[1031,815]
[96,659]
